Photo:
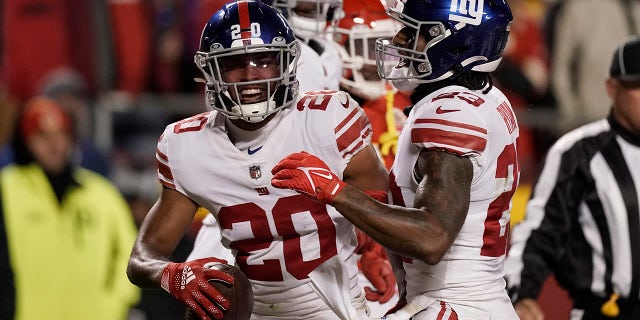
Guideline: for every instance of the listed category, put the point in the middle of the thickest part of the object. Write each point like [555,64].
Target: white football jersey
[482,127]
[312,76]
[279,237]
[331,62]
[313,70]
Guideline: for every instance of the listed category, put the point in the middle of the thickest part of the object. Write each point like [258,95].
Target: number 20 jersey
[483,128]
[279,236]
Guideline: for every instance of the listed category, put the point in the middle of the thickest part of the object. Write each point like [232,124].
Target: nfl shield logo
[254,172]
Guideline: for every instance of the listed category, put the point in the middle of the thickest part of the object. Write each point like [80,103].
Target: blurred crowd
[126,70]
[123,69]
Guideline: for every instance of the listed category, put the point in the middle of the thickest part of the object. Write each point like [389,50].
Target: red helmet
[364,21]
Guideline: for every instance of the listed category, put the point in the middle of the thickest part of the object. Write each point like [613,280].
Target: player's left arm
[427,231]
[424,232]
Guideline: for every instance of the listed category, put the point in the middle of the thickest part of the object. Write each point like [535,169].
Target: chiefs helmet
[246,34]
[310,18]
[364,21]
[460,36]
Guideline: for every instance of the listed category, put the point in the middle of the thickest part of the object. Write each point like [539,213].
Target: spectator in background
[68,88]
[66,232]
[585,34]
[583,221]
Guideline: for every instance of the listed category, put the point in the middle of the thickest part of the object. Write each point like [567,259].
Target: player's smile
[253,94]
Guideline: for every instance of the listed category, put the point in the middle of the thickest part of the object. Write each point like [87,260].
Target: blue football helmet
[248,57]
[460,35]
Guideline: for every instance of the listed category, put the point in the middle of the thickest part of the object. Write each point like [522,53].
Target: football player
[456,168]
[298,253]
[315,71]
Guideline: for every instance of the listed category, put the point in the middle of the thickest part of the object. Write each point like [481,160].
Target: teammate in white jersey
[456,168]
[314,72]
[297,253]
[313,22]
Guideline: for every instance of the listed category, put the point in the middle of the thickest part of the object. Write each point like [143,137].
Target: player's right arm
[162,229]
[150,267]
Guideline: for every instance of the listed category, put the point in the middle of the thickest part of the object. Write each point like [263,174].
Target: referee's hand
[529,309]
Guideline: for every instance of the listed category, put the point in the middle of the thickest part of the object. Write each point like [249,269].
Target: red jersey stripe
[164,170]
[346,120]
[162,155]
[396,195]
[443,309]
[452,124]
[353,133]
[168,184]
[454,315]
[245,21]
[448,138]
[352,150]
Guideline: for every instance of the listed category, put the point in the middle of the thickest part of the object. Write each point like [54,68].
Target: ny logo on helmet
[467,11]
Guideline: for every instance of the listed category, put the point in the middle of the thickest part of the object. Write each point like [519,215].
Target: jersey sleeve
[352,128]
[336,124]
[165,175]
[449,125]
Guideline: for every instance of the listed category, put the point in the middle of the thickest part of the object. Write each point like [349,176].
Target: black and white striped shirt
[582,222]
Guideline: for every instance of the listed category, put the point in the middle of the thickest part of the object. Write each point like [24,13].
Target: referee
[583,221]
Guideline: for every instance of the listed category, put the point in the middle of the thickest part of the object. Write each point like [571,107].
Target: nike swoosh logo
[251,152]
[323,175]
[345,104]
[439,110]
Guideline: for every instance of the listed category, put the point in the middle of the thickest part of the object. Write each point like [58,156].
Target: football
[239,294]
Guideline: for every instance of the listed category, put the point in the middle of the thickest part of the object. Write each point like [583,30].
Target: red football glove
[187,282]
[308,175]
[365,243]
[377,269]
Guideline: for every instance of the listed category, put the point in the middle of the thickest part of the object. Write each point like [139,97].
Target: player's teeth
[251,91]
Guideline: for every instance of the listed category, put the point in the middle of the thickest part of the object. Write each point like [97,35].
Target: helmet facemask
[409,65]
